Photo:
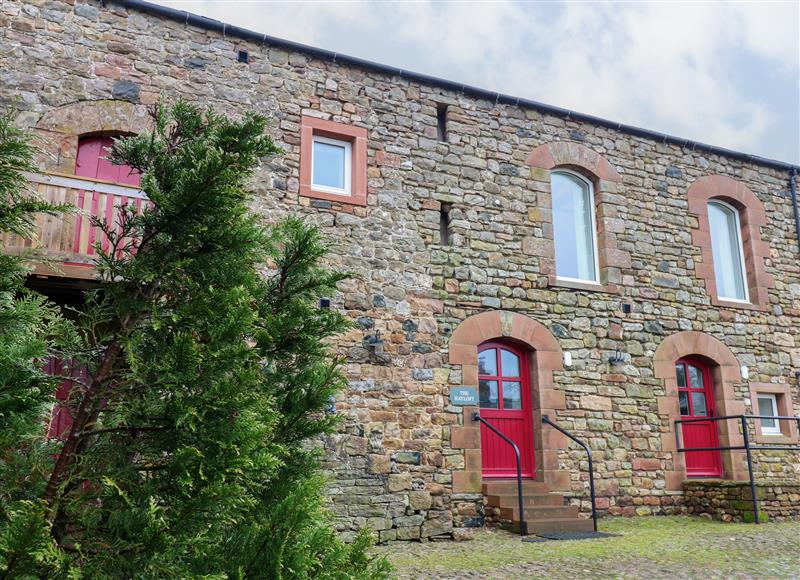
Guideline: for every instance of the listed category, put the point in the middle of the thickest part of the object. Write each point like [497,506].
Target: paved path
[650,548]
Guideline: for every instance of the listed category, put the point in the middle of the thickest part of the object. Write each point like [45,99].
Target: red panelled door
[61,418]
[505,402]
[90,162]
[696,398]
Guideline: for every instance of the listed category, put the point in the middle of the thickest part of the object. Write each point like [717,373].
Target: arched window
[90,162]
[727,250]
[574,227]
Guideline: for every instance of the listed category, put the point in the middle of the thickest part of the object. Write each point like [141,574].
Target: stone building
[546,262]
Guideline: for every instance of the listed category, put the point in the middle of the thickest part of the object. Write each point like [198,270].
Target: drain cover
[544,537]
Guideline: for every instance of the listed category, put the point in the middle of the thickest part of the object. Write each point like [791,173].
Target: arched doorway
[722,371]
[696,402]
[504,390]
[542,354]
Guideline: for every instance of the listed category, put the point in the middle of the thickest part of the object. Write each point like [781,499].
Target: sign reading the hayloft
[463,396]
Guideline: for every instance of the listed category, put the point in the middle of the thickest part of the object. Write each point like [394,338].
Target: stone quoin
[450,207]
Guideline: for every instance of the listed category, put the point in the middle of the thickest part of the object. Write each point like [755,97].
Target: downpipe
[795,206]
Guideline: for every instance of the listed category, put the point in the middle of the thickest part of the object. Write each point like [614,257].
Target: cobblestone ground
[656,547]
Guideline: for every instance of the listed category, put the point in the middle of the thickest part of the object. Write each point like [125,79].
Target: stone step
[554,525]
[508,486]
[541,513]
[528,499]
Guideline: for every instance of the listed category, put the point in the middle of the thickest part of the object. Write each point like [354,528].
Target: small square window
[330,165]
[768,407]
[333,161]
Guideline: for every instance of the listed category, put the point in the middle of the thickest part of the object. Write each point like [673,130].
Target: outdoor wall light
[617,358]
[330,408]
[374,343]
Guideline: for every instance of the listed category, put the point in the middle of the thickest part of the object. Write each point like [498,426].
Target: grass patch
[665,543]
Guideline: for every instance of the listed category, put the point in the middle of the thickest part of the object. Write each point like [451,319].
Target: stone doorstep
[544,511]
[555,525]
[540,513]
[509,486]
[533,499]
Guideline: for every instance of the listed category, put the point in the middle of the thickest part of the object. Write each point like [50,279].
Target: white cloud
[666,66]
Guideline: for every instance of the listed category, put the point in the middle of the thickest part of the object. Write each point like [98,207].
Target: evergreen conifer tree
[192,448]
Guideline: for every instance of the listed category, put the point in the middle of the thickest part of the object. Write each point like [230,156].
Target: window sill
[556,282]
[356,199]
[736,304]
[783,439]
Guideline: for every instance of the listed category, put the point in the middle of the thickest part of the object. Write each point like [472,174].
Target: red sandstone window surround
[598,263]
[333,161]
[780,397]
[718,191]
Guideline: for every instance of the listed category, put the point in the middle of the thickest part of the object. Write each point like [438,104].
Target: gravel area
[656,547]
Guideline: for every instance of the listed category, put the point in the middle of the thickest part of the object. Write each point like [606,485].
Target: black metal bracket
[546,420]
[747,447]
[523,526]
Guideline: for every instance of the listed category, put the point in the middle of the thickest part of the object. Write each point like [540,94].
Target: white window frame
[348,165]
[776,429]
[593,219]
[738,227]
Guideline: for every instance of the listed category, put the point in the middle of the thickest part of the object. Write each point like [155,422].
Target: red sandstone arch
[568,154]
[546,357]
[63,125]
[752,217]
[726,373]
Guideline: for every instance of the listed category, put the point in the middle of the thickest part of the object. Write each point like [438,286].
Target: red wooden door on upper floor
[505,402]
[90,162]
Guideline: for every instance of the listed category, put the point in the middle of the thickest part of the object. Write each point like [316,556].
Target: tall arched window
[727,250]
[574,227]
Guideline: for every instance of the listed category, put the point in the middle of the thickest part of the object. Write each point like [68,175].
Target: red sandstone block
[465,438]
[646,464]
[467,481]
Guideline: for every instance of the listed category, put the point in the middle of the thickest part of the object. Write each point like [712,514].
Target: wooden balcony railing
[66,242]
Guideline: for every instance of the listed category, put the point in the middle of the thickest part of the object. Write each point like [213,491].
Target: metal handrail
[747,447]
[546,419]
[523,526]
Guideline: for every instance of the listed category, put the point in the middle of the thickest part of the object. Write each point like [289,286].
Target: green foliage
[192,451]
[30,330]
[18,208]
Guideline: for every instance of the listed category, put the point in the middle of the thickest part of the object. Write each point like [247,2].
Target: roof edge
[245,34]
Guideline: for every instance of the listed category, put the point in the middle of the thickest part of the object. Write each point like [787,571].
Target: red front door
[505,401]
[696,398]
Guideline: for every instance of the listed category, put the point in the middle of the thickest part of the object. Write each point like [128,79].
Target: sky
[725,74]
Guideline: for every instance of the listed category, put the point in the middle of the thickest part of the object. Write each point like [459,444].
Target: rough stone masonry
[405,462]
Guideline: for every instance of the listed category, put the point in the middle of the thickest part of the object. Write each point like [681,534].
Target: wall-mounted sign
[463,396]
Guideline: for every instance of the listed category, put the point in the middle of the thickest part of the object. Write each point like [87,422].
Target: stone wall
[732,501]
[399,463]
